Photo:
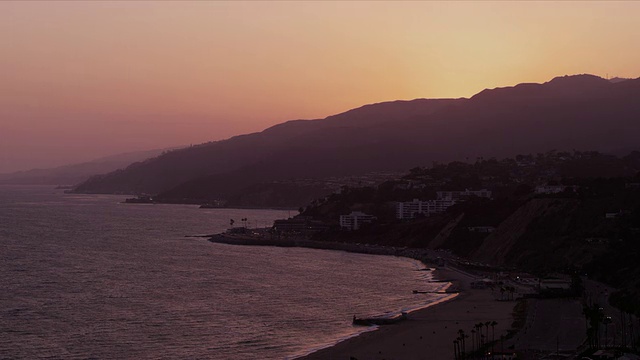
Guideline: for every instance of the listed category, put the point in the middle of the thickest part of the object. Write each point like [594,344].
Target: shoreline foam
[430,328]
[408,310]
[313,350]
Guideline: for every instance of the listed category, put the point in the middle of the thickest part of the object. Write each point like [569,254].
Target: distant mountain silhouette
[76,173]
[274,150]
[618,79]
[582,112]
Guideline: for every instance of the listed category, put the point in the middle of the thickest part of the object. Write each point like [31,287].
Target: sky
[81,80]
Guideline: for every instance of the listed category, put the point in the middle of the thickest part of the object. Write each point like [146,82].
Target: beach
[429,333]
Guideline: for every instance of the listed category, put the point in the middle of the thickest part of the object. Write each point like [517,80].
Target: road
[551,324]
[598,293]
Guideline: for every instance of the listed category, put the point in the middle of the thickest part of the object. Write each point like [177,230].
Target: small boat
[435,292]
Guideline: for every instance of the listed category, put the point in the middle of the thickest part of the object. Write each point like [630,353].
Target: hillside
[591,224]
[337,145]
[573,112]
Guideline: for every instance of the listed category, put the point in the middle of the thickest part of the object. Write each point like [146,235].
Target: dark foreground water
[84,276]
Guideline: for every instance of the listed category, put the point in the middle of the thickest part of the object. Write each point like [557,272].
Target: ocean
[88,277]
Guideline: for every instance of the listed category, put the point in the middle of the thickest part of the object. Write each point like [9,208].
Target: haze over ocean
[89,277]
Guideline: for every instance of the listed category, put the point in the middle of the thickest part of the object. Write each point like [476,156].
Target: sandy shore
[428,333]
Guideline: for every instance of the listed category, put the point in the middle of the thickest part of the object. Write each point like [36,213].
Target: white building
[551,189]
[409,209]
[462,195]
[555,284]
[612,215]
[482,229]
[354,220]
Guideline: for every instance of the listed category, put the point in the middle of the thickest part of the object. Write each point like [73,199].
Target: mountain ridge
[573,112]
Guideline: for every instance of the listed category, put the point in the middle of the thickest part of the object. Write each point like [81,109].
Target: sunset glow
[86,79]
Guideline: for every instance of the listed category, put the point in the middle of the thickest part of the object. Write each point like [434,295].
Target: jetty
[436,292]
[379,320]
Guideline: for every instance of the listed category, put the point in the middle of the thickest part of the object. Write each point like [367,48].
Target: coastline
[311,352]
[426,256]
[431,328]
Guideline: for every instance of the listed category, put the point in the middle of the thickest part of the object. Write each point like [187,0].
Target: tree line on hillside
[510,178]
[591,227]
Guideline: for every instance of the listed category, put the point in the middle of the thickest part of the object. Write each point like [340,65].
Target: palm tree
[462,337]
[591,338]
[493,333]
[478,327]
[631,338]
[591,323]
[622,327]
[606,322]
[473,340]
[464,344]
[587,313]
[599,319]
[455,349]
[486,326]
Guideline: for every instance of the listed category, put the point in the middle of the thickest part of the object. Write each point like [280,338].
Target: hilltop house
[409,209]
[482,229]
[354,220]
[445,199]
[553,189]
[299,224]
[462,195]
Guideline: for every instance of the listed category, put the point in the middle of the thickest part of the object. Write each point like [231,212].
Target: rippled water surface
[84,276]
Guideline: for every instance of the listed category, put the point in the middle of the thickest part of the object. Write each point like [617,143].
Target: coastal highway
[598,293]
[551,324]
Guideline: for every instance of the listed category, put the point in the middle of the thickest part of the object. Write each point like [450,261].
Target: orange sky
[80,80]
